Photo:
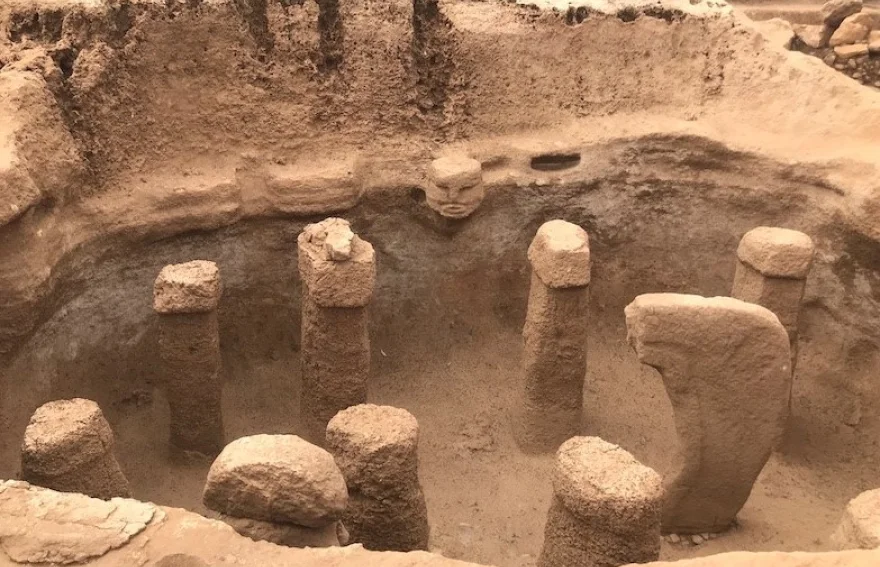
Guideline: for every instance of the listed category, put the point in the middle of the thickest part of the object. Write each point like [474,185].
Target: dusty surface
[665,175]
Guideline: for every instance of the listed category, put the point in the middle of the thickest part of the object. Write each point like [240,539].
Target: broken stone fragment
[276,478]
[560,255]
[835,11]
[859,528]
[193,287]
[844,52]
[853,29]
[777,252]
[874,41]
[337,267]
[813,36]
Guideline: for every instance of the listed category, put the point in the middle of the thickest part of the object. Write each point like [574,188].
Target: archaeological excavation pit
[492,229]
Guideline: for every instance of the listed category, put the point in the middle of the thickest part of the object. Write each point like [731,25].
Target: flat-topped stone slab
[338,268]
[777,252]
[560,254]
[192,287]
[276,478]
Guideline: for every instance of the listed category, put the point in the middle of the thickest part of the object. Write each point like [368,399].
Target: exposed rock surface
[560,255]
[344,282]
[835,11]
[853,29]
[290,535]
[726,367]
[192,287]
[276,478]
[859,527]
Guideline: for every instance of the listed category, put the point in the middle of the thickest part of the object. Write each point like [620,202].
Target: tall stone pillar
[771,271]
[68,447]
[555,338]
[186,296]
[605,510]
[338,271]
[376,448]
[725,364]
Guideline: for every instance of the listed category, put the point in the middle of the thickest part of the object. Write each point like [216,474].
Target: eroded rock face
[726,367]
[192,287]
[42,526]
[277,478]
[859,528]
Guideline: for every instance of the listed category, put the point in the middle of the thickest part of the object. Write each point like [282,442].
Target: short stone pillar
[338,271]
[859,527]
[68,447]
[455,186]
[555,338]
[278,488]
[605,510]
[186,296]
[771,271]
[376,447]
[725,365]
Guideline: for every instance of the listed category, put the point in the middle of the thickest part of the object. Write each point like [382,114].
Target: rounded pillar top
[594,478]
[337,267]
[560,255]
[777,252]
[455,172]
[192,287]
[65,434]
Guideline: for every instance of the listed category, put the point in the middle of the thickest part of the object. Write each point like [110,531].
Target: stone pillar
[338,271]
[555,338]
[605,510]
[859,527]
[376,447]
[68,447]
[725,364]
[771,271]
[455,186]
[278,488]
[186,296]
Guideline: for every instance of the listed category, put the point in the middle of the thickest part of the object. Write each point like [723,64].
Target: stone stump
[725,366]
[860,526]
[185,296]
[771,270]
[376,447]
[605,510]
[279,488]
[555,338]
[338,271]
[68,447]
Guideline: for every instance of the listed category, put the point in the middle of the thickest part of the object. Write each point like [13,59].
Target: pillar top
[455,172]
[192,287]
[777,252]
[337,267]
[592,476]
[560,255]
[65,434]
[370,429]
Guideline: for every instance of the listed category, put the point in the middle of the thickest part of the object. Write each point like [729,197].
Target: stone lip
[192,287]
[455,172]
[560,255]
[777,252]
[276,478]
[63,435]
[592,476]
[338,270]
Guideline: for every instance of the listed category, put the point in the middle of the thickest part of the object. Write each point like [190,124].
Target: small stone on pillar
[555,338]
[186,297]
[68,447]
[279,488]
[860,526]
[376,447]
[605,510]
[338,271]
[771,271]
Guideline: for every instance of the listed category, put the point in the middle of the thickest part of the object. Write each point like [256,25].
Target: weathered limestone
[278,488]
[726,367]
[555,337]
[771,271]
[376,447]
[455,186]
[338,271]
[859,528]
[853,29]
[835,11]
[68,446]
[605,510]
[186,296]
